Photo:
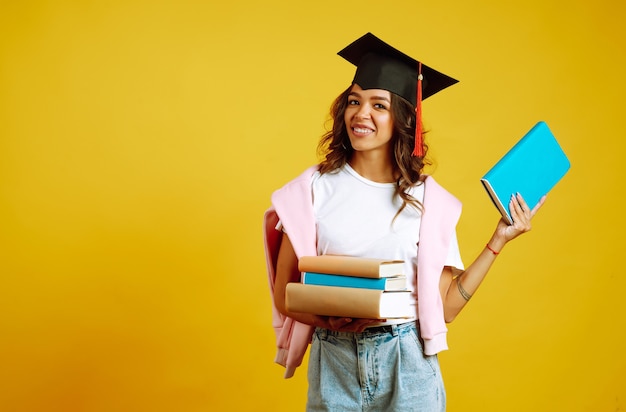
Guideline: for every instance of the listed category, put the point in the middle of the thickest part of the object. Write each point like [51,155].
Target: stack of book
[349,286]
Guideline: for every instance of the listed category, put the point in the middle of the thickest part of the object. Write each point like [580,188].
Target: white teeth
[361,130]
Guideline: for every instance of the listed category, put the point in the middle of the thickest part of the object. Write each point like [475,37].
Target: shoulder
[305,176]
[433,189]
[299,184]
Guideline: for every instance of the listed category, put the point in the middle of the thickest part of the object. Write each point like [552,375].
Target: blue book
[531,167]
[394,283]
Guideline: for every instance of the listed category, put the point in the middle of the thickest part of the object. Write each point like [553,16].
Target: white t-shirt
[355,217]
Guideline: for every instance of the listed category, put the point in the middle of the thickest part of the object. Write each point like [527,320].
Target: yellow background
[139,145]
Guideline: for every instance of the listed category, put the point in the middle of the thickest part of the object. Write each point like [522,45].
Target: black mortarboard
[381,66]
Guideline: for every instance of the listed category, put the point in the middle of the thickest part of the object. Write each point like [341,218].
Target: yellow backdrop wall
[139,144]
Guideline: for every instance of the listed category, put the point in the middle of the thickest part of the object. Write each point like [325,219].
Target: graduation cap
[381,66]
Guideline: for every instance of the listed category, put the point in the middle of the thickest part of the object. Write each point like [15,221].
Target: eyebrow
[374,97]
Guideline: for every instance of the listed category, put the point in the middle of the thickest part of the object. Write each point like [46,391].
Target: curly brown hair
[335,149]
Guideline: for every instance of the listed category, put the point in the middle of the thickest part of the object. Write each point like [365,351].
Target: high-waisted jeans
[381,369]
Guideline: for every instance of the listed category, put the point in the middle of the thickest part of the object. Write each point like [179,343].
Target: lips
[361,130]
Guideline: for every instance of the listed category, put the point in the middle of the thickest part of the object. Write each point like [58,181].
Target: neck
[374,168]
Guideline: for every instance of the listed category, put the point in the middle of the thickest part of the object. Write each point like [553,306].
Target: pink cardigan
[293,205]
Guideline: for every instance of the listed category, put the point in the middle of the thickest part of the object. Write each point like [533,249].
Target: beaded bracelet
[491,250]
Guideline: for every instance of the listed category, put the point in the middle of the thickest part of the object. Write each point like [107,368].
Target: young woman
[369,198]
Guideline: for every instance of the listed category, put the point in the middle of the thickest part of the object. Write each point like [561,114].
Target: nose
[363,112]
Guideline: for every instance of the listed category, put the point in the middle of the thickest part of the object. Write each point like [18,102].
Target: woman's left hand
[521,214]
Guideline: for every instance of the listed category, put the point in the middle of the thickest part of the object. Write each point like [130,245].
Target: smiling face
[368,119]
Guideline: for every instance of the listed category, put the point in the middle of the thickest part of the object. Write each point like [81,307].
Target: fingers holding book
[521,215]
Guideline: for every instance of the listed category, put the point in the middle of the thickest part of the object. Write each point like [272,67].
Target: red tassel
[419,143]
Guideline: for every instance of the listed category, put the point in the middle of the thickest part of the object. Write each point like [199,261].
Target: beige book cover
[348,302]
[351,266]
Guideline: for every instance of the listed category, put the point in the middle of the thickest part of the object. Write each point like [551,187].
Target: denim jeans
[381,369]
